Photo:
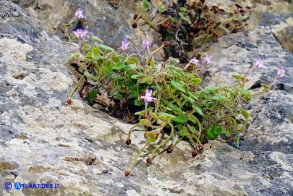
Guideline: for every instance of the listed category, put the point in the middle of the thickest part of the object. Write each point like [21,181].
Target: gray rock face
[109,20]
[43,140]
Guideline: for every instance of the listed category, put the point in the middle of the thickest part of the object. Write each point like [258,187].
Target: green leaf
[96,54]
[151,137]
[133,94]
[219,97]
[192,118]
[226,132]
[146,5]
[120,66]
[145,122]
[216,130]
[160,8]
[108,69]
[118,96]
[154,115]
[147,80]
[165,116]
[174,60]
[116,89]
[75,56]
[195,81]
[188,98]
[92,95]
[174,107]
[182,9]
[245,94]
[238,77]
[96,39]
[136,76]
[88,75]
[132,61]
[211,89]
[104,47]
[191,129]
[180,119]
[174,19]
[265,86]
[210,134]
[192,95]
[143,112]
[185,18]
[178,86]
[237,140]
[198,110]
[183,133]
[245,113]
[137,103]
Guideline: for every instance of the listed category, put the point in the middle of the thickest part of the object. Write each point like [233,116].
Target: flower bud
[166,43]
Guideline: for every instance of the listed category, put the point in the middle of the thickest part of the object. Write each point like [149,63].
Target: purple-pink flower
[281,72]
[148,96]
[146,45]
[260,64]
[124,45]
[194,61]
[207,59]
[79,13]
[80,33]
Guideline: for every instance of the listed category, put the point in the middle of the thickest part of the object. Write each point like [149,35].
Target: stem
[132,129]
[76,86]
[165,142]
[134,160]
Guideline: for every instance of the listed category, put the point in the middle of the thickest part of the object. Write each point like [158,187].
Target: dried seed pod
[128,141]
[134,25]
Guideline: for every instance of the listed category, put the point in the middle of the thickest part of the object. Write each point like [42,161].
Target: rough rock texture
[43,140]
[109,20]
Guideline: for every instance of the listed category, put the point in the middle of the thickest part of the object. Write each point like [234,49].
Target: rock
[110,21]
[284,34]
[43,140]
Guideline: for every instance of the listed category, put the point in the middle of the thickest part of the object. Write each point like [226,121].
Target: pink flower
[281,72]
[260,64]
[148,96]
[124,45]
[146,44]
[194,61]
[79,13]
[207,59]
[80,33]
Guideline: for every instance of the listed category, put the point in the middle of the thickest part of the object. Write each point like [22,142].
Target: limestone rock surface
[43,140]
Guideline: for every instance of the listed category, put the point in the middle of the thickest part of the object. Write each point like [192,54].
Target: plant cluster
[166,99]
[190,24]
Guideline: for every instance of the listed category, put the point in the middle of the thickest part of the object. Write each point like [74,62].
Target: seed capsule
[200,148]
[69,101]
[194,153]
[128,141]
[134,25]
[127,173]
[169,150]
[149,160]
